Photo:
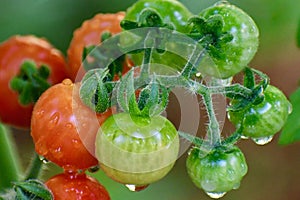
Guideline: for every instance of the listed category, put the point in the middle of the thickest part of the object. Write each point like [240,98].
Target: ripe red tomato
[76,186]
[64,129]
[13,52]
[90,34]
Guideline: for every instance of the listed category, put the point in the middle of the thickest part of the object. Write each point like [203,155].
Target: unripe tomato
[241,49]
[131,151]
[217,172]
[264,119]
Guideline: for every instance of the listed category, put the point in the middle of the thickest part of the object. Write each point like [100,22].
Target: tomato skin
[90,34]
[241,49]
[132,153]
[264,119]
[13,52]
[171,11]
[76,186]
[64,129]
[217,172]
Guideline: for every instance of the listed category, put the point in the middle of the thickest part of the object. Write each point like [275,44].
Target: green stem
[10,165]
[214,135]
[34,168]
[146,63]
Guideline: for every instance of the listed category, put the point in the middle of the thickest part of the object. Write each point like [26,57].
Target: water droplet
[198,75]
[80,171]
[290,108]
[43,159]
[40,113]
[136,188]
[237,185]
[244,137]
[222,2]
[69,125]
[54,118]
[94,169]
[263,140]
[67,82]
[215,195]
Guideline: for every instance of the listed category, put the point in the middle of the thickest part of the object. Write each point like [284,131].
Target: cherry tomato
[134,151]
[171,12]
[76,186]
[264,119]
[217,172]
[13,52]
[241,49]
[64,129]
[90,34]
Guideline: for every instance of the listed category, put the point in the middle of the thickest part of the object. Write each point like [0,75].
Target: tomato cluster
[109,115]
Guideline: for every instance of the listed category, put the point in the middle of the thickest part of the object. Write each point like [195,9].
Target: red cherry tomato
[13,52]
[90,34]
[76,186]
[64,129]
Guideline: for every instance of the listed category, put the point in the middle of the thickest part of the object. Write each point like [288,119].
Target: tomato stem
[10,165]
[214,134]
[146,63]
[34,168]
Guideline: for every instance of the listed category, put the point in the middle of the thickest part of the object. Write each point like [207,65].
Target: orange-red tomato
[13,52]
[64,129]
[76,186]
[90,34]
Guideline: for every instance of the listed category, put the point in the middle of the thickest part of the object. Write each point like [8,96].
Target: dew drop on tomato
[215,195]
[136,188]
[55,118]
[263,140]
[67,82]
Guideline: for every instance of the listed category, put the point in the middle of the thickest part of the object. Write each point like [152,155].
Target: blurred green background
[273,169]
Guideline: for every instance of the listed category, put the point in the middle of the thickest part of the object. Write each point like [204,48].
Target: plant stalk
[10,164]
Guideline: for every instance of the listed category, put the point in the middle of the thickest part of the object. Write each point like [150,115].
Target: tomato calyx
[149,17]
[152,99]
[94,91]
[209,33]
[31,82]
[217,171]
[256,95]
[94,57]
[31,188]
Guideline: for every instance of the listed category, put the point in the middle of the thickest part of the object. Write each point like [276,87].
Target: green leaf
[291,130]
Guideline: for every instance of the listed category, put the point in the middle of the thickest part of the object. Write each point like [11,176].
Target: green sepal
[249,78]
[93,91]
[209,33]
[32,189]
[31,82]
[153,99]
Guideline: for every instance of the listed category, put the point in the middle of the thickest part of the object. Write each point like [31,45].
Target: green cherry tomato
[264,119]
[172,12]
[217,172]
[132,151]
[241,49]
